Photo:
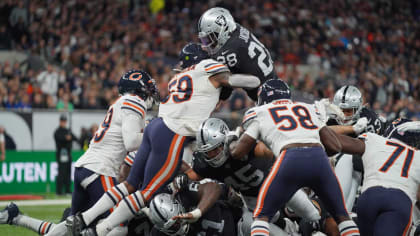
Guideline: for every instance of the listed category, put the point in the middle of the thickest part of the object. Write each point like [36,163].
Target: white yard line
[38,202]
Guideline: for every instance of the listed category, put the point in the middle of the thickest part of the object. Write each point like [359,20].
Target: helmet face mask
[214,28]
[140,83]
[211,138]
[162,208]
[349,99]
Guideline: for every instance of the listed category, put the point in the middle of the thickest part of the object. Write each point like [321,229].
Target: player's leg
[303,207]
[327,187]
[163,163]
[89,187]
[344,172]
[394,217]
[114,195]
[11,215]
[277,189]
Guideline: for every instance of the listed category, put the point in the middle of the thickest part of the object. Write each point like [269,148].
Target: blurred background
[66,57]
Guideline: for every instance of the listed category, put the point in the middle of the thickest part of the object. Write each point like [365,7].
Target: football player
[245,175]
[193,95]
[235,46]
[97,169]
[297,138]
[358,119]
[391,177]
[178,214]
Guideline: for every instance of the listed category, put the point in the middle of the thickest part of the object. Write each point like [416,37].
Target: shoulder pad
[249,115]
[135,104]
[212,67]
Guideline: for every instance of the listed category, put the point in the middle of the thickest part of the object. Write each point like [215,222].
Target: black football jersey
[375,124]
[243,53]
[245,176]
[217,221]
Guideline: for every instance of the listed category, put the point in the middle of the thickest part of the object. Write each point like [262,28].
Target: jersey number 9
[99,135]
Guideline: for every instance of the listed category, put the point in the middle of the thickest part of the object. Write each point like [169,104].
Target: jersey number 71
[395,155]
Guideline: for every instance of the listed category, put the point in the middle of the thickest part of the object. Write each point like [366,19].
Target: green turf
[47,213]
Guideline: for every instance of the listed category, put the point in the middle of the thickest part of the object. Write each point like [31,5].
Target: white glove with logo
[360,125]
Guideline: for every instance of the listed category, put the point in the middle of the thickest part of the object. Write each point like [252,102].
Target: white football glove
[360,125]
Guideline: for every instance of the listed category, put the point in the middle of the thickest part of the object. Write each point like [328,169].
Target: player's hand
[360,125]
[180,182]
[189,217]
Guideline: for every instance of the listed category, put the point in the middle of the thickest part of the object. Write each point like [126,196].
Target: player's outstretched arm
[208,194]
[351,145]
[243,147]
[227,79]
[330,141]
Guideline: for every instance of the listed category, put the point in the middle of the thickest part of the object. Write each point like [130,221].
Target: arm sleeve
[214,67]
[244,81]
[132,126]
[253,129]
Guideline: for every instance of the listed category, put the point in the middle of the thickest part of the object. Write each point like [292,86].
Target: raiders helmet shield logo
[221,20]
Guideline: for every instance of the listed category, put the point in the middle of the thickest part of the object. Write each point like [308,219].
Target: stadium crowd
[87,45]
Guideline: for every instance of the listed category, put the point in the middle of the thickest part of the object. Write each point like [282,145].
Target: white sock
[58,230]
[303,207]
[348,228]
[260,228]
[126,210]
[39,226]
[111,198]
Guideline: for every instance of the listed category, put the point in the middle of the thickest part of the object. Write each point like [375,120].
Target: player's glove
[234,199]
[360,125]
[230,138]
[179,183]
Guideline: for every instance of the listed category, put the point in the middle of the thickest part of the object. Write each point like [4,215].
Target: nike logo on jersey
[223,53]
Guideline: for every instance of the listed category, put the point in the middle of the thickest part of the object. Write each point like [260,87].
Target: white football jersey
[283,122]
[391,164]
[192,97]
[106,150]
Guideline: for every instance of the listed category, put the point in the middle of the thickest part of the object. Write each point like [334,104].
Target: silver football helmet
[212,134]
[349,97]
[214,28]
[162,208]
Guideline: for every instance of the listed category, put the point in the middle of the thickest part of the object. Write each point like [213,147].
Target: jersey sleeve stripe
[135,103]
[134,106]
[211,64]
[249,117]
[129,160]
[215,67]
[220,70]
[132,109]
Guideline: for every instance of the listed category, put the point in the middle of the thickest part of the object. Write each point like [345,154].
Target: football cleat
[9,213]
[76,224]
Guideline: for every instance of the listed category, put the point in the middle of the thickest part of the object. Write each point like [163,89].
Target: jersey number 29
[180,89]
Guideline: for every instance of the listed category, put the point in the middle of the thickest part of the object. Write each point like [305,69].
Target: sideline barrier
[30,172]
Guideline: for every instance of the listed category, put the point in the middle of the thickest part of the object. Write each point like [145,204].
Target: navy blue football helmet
[405,130]
[140,83]
[191,54]
[271,90]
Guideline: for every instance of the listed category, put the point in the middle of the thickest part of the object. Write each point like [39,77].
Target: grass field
[50,213]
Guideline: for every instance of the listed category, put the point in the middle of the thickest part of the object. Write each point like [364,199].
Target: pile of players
[274,175]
